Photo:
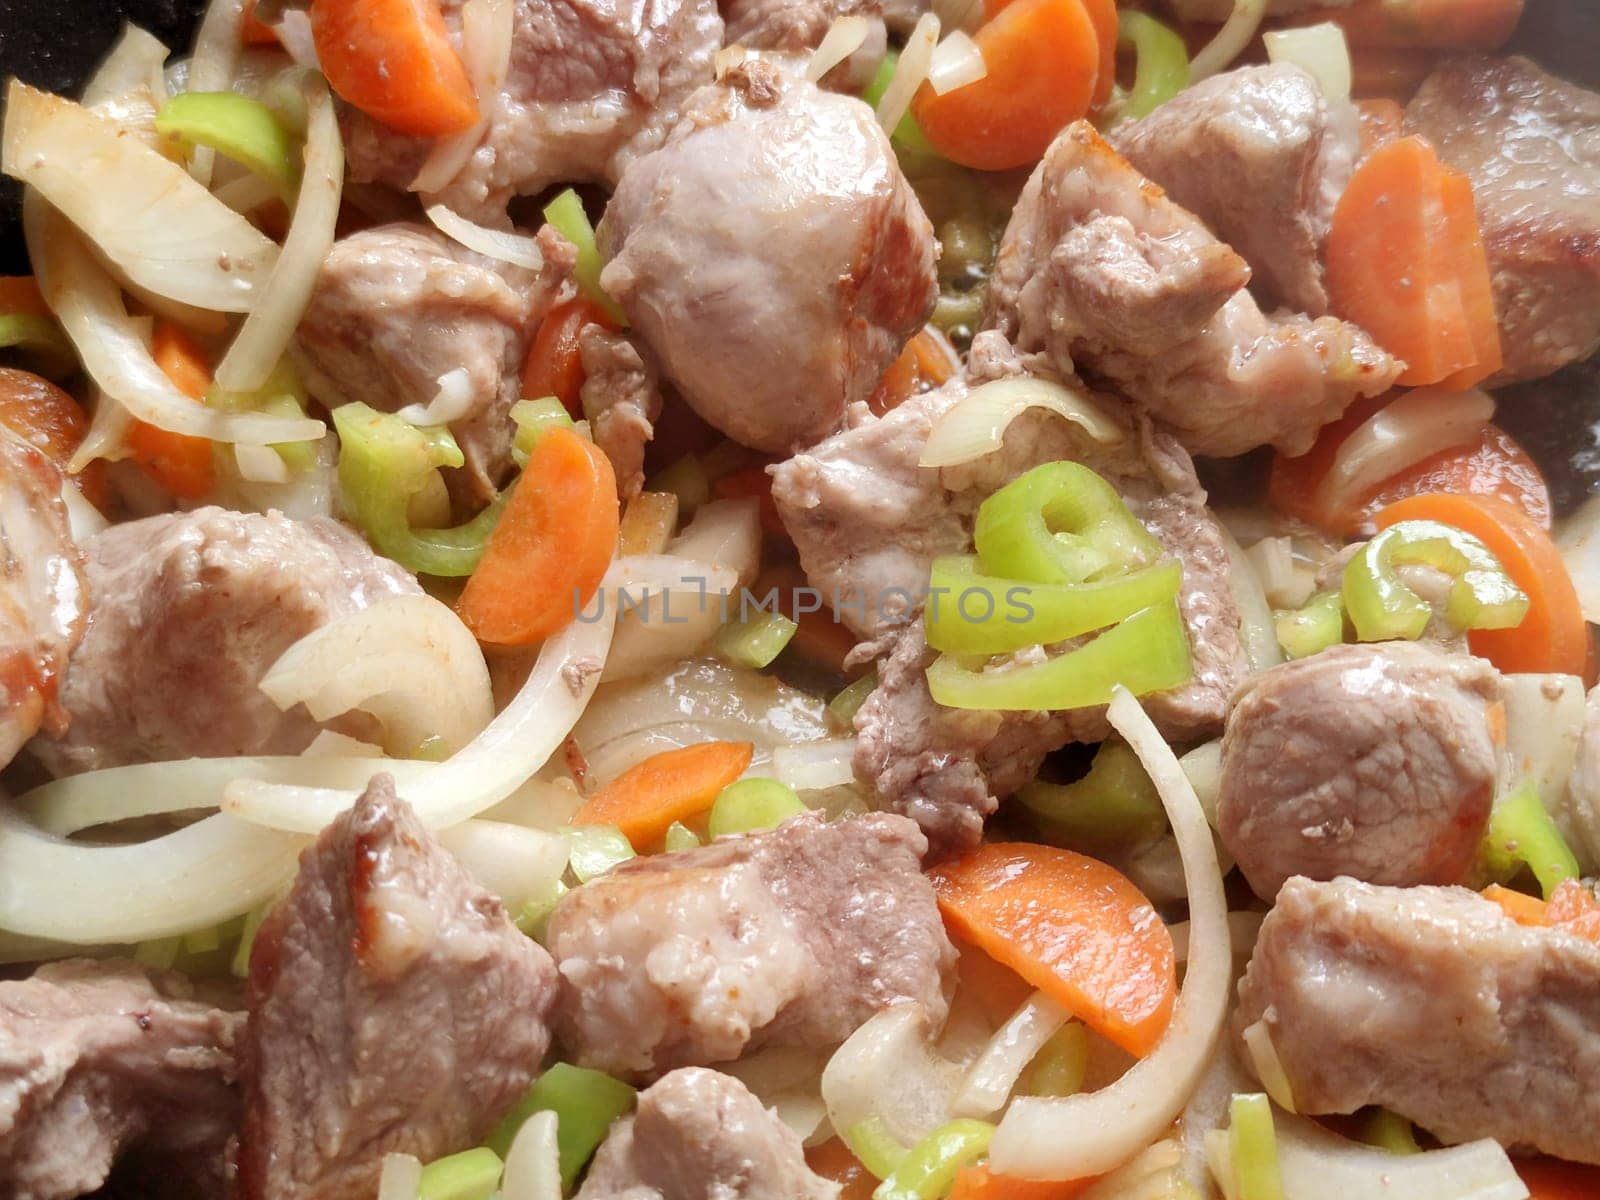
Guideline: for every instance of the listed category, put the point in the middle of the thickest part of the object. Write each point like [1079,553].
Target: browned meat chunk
[400,308]
[700,1134]
[188,612]
[1260,157]
[102,1058]
[1530,143]
[393,1008]
[1433,1003]
[41,594]
[1370,761]
[771,255]
[801,24]
[868,522]
[621,400]
[1100,269]
[591,86]
[792,937]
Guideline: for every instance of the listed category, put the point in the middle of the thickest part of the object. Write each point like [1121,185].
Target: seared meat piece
[41,594]
[771,255]
[790,937]
[621,400]
[1434,1003]
[1262,158]
[868,522]
[393,1008]
[188,611]
[99,1058]
[591,86]
[799,25]
[699,1134]
[398,308]
[1370,761]
[1530,143]
[1098,267]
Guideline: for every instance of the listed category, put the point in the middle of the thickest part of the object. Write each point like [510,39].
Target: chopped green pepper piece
[757,640]
[1389,1131]
[282,395]
[1521,832]
[585,1103]
[595,849]
[1255,1148]
[969,612]
[533,417]
[566,213]
[534,918]
[1061,523]
[1312,628]
[160,953]
[1114,806]
[1161,68]
[1148,652]
[247,940]
[1383,608]
[383,462]
[39,340]
[471,1175]
[1061,1064]
[751,804]
[909,142]
[685,479]
[842,708]
[929,1170]
[680,837]
[243,129]
[874,1147]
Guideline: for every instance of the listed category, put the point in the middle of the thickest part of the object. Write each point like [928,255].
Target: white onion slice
[143,211]
[515,745]
[844,37]
[260,464]
[1319,50]
[451,402]
[667,608]
[265,334]
[515,863]
[1149,1176]
[990,1080]
[137,60]
[956,62]
[533,1164]
[1236,33]
[515,248]
[487,27]
[407,660]
[1267,1065]
[812,766]
[977,424]
[246,193]
[889,1069]
[113,350]
[1419,423]
[83,518]
[1078,1136]
[1285,582]
[723,533]
[909,72]
[294,31]
[1579,542]
[400,1178]
[218,45]
[1257,630]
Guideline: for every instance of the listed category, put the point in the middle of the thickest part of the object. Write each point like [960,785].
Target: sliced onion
[1319,50]
[108,341]
[1230,41]
[451,402]
[1077,1136]
[265,334]
[487,27]
[989,1082]
[959,14]
[909,72]
[844,37]
[1318,1165]
[813,766]
[1257,631]
[407,660]
[142,210]
[400,1177]
[294,31]
[1285,582]
[260,464]
[533,1164]
[1420,423]
[514,862]
[137,60]
[1243,928]
[977,424]
[515,745]
[956,62]
[1148,1176]
[515,248]
[84,519]
[1267,1065]
[889,1069]
[218,45]
[246,193]
[1544,729]
[724,533]
[1202,766]
[667,609]
[1579,543]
